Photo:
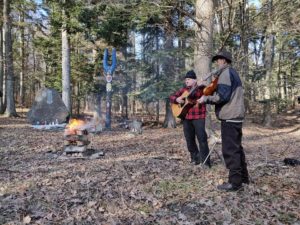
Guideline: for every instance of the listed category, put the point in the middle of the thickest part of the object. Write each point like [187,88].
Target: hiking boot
[229,187]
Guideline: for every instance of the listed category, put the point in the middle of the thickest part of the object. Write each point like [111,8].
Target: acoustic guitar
[180,110]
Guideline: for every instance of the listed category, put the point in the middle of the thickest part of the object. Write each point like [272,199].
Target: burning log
[76,138]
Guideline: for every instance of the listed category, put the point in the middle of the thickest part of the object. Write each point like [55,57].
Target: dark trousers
[191,130]
[233,152]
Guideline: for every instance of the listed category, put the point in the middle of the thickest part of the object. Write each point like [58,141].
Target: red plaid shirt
[198,111]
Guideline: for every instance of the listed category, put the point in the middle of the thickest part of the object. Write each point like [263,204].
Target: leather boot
[197,158]
[192,154]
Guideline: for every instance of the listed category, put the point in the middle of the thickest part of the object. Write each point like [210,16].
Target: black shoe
[229,187]
[246,181]
[197,162]
[197,158]
[193,157]
[192,161]
[206,166]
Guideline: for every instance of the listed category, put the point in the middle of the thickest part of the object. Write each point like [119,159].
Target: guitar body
[180,110]
[176,109]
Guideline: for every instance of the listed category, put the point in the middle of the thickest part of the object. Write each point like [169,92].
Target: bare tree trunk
[244,22]
[292,93]
[124,90]
[22,55]
[124,111]
[204,44]
[2,108]
[169,71]
[269,57]
[66,83]
[133,104]
[32,83]
[269,53]
[204,36]
[280,91]
[157,77]
[268,61]
[8,63]
[170,121]
[76,102]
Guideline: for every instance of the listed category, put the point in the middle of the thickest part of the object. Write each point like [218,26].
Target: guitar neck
[191,91]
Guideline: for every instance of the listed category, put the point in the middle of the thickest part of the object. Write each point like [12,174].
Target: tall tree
[169,71]
[204,43]
[22,57]
[8,61]
[2,108]
[203,36]
[244,29]
[66,70]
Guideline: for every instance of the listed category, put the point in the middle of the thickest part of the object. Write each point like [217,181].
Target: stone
[136,127]
[48,108]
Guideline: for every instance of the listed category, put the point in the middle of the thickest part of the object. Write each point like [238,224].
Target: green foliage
[114,28]
[165,30]
[108,22]
[154,90]
[72,9]
[146,14]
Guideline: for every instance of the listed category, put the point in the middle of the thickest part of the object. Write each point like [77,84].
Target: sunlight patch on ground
[133,157]
[15,126]
[19,186]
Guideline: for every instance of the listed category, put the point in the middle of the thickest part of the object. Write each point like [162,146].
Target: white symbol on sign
[108,78]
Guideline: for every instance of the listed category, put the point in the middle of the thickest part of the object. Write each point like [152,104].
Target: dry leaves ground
[144,179]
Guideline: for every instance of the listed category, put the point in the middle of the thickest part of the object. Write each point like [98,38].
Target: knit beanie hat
[191,74]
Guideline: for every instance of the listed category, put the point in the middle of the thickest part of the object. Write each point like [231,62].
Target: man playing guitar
[193,116]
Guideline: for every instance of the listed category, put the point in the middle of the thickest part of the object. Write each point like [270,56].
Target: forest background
[146,178]
[60,45]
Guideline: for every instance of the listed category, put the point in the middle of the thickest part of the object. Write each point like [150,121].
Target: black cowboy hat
[223,54]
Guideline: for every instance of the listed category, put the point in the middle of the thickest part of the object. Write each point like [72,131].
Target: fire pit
[76,141]
[76,138]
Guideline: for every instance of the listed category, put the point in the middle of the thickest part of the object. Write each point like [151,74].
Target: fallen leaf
[26,219]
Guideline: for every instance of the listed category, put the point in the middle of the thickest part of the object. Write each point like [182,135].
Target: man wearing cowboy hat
[229,107]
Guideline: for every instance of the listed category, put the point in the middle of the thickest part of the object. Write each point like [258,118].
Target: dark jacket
[229,96]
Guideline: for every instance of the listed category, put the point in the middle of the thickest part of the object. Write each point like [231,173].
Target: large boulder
[48,107]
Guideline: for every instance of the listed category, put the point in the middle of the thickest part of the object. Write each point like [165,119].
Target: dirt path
[144,179]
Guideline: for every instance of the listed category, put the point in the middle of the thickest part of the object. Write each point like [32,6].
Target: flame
[75,124]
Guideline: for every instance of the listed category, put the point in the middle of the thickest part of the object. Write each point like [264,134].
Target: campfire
[76,138]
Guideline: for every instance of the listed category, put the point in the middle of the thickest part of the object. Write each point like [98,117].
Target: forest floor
[145,179]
